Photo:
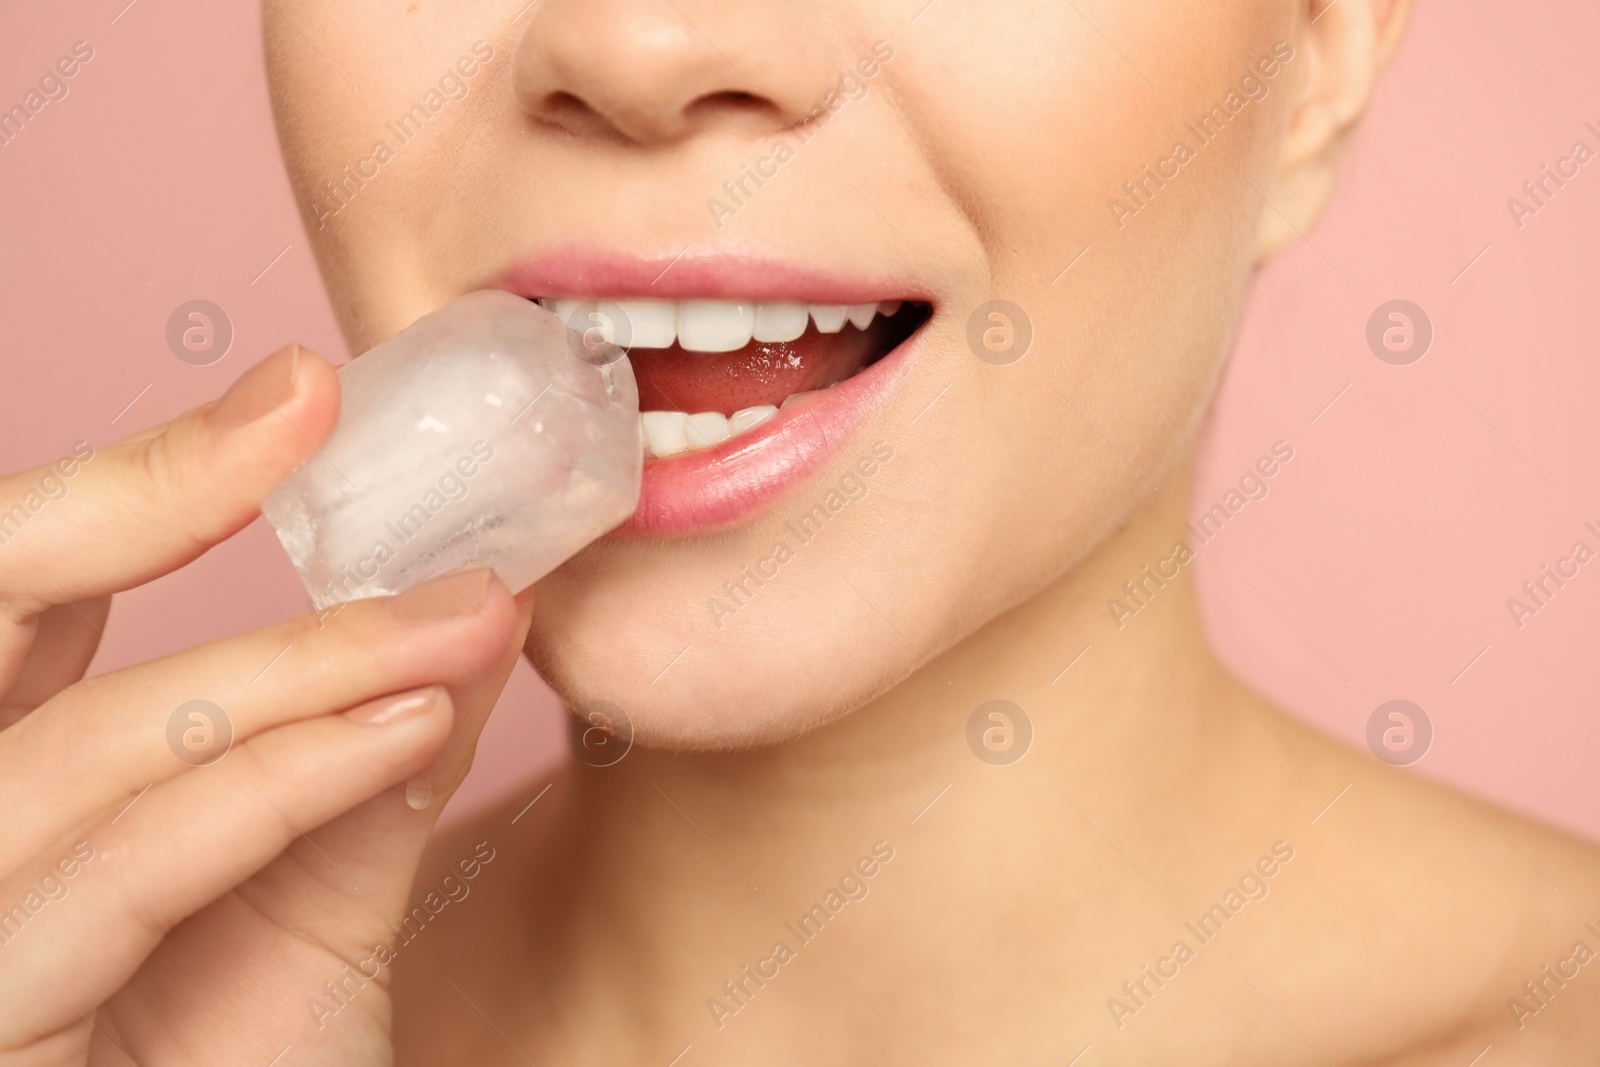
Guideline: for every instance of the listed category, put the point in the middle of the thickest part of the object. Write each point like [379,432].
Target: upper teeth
[714,325]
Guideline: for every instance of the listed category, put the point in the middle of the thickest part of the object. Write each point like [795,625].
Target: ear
[1340,47]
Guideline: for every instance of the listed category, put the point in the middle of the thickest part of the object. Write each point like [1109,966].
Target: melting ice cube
[485,432]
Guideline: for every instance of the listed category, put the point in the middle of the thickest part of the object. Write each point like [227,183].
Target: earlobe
[1341,47]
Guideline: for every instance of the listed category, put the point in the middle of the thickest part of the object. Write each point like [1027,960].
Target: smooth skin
[831,713]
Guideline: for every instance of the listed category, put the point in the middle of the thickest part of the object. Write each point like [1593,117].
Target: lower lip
[698,492]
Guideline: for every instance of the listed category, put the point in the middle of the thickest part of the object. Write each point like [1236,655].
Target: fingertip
[501,613]
[293,387]
[399,707]
[472,605]
[493,626]
[518,605]
[313,405]
[498,603]
[524,607]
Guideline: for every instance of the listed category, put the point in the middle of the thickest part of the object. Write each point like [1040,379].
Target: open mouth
[714,371]
[754,373]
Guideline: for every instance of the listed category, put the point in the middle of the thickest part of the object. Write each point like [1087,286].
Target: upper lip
[694,274]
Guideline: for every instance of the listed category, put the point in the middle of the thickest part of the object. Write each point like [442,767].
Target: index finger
[112,519]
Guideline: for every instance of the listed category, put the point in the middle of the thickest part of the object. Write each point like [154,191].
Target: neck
[709,856]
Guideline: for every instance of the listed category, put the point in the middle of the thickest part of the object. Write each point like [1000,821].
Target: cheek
[1130,324]
[370,189]
[1037,134]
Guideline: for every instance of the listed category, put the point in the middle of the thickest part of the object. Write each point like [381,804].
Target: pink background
[1377,568]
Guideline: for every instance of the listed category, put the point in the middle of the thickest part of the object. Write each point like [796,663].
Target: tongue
[671,379]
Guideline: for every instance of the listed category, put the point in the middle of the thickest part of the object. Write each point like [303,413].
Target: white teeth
[598,316]
[708,428]
[780,321]
[715,325]
[654,322]
[829,317]
[747,418]
[666,432]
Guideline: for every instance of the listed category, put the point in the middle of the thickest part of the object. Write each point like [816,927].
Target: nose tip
[653,71]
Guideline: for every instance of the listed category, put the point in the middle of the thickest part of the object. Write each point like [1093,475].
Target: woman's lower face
[993,252]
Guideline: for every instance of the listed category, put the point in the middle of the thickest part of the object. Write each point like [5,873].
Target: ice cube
[485,432]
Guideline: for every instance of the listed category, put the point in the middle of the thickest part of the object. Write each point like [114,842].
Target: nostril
[561,99]
[568,111]
[733,102]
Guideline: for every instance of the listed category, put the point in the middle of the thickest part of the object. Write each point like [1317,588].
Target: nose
[659,71]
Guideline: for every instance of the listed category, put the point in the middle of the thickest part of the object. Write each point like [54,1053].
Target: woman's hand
[156,912]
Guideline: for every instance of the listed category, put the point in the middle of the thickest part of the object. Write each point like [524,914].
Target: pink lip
[692,275]
[698,492]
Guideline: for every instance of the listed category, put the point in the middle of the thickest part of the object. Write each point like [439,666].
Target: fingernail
[261,389]
[458,593]
[389,711]
[419,794]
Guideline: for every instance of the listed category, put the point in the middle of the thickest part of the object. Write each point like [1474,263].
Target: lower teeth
[667,433]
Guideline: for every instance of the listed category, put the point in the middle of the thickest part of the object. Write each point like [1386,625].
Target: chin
[614,625]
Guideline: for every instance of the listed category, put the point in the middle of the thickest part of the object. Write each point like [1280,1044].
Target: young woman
[868,771]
